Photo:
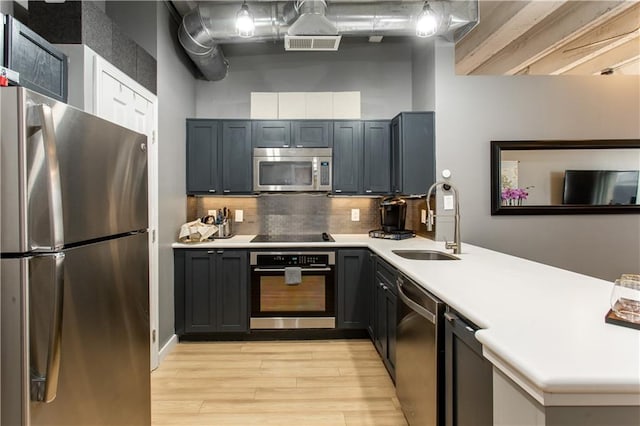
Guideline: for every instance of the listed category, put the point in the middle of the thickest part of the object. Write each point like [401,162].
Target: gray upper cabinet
[202,157]
[41,66]
[271,134]
[236,157]
[347,157]
[377,157]
[311,134]
[219,157]
[412,152]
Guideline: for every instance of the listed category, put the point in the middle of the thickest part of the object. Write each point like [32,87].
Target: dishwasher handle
[420,310]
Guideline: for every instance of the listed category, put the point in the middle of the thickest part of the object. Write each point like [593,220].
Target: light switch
[423,216]
[239,216]
[448,202]
[355,215]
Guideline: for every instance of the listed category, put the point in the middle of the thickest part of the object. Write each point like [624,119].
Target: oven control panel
[302,259]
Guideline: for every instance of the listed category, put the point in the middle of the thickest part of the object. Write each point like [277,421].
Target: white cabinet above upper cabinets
[305,105]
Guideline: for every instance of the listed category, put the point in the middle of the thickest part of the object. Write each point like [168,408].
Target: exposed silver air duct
[211,24]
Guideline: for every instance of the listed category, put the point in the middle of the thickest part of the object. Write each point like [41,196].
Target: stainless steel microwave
[292,169]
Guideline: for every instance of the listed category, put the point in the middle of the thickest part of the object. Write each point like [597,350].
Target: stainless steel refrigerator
[74,291]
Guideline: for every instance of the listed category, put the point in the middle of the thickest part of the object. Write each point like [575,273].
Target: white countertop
[541,326]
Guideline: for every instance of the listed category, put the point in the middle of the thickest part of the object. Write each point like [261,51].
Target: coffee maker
[393,212]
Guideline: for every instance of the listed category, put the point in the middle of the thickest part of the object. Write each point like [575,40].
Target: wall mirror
[565,177]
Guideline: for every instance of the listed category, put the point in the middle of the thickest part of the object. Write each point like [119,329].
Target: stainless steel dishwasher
[419,355]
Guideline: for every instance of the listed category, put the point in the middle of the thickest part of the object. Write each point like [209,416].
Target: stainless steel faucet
[456,245]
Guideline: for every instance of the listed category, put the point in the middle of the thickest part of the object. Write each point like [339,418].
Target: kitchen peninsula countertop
[542,326]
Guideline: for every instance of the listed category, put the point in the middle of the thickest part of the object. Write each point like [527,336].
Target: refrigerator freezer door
[13,362]
[101,174]
[104,362]
[103,375]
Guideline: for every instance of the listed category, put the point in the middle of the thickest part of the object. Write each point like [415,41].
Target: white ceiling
[575,37]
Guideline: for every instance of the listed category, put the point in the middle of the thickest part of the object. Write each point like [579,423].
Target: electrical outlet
[239,216]
[423,216]
[211,213]
[447,202]
[355,215]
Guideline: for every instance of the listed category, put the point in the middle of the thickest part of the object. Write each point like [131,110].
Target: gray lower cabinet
[353,298]
[468,376]
[211,291]
[347,157]
[219,157]
[376,166]
[412,152]
[386,311]
[311,134]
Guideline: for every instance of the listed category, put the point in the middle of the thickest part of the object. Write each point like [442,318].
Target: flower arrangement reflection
[514,196]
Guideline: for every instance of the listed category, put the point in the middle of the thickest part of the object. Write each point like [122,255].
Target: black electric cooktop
[299,238]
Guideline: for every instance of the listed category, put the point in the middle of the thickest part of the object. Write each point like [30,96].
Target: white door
[120,99]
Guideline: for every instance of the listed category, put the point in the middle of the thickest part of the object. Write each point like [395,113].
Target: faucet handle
[450,246]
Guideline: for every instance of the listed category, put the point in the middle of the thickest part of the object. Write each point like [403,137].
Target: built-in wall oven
[292,290]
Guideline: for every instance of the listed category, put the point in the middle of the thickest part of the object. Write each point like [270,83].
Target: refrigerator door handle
[44,120]
[44,387]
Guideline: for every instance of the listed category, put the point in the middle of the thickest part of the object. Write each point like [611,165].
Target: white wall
[381,72]
[176,95]
[423,78]
[473,110]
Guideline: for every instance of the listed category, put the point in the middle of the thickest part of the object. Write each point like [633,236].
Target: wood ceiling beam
[620,56]
[610,35]
[568,22]
[501,22]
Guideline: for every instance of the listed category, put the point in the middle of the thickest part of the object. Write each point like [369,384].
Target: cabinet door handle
[338,191]
[212,190]
[226,190]
[209,251]
[220,251]
[368,191]
[285,146]
[450,317]
[299,146]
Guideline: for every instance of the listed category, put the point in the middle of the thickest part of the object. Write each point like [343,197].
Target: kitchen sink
[424,255]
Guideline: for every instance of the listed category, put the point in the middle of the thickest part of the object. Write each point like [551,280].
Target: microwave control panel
[324,173]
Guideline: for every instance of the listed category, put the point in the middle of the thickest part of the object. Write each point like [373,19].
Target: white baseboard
[167,348]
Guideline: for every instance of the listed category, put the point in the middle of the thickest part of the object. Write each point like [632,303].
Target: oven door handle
[282,269]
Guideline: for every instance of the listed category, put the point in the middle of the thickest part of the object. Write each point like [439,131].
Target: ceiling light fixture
[244,21]
[427,22]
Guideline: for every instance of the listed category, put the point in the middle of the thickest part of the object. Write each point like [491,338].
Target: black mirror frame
[496,203]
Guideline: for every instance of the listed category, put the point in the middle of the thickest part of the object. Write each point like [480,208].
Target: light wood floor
[328,382]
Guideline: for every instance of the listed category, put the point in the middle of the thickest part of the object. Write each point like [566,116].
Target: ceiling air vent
[308,43]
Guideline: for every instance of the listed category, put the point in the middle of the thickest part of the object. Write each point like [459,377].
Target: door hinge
[153,336]
[153,136]
[153,235]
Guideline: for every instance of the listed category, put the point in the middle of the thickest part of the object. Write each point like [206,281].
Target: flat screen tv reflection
[601,187]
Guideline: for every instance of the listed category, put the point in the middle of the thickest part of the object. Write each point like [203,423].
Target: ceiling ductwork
[211,24]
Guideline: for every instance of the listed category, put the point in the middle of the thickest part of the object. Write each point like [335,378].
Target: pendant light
[244,22]
[427,22]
